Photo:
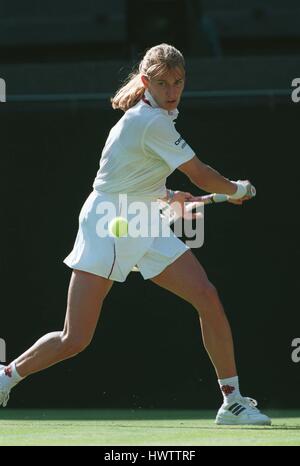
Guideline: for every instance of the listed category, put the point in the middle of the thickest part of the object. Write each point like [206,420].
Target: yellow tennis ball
[118,227]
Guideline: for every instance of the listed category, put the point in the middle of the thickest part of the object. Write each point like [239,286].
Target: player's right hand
[251,192]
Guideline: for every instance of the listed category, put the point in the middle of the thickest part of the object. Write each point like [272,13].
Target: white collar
[171,113]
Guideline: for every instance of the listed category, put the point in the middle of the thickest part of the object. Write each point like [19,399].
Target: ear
[145,81]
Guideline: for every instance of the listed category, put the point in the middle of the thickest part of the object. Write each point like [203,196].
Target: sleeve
[162,139]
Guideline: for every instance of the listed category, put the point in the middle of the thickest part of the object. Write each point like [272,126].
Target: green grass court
[141,427]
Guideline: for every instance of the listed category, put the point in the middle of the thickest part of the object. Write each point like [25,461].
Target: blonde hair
[156,61]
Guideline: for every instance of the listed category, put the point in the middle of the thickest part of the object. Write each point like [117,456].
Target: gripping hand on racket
[245,191]
[183,204]
[250,193]
[178,202]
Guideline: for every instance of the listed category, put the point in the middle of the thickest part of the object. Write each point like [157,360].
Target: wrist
[241,190]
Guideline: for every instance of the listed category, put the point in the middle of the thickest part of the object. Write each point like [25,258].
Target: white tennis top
[141,151]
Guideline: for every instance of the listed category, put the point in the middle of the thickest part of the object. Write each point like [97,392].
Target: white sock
[229,388]
[9,376]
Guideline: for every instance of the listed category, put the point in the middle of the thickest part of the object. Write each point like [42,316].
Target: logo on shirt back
[180,140]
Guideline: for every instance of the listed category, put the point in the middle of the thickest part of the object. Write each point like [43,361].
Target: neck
[151,100]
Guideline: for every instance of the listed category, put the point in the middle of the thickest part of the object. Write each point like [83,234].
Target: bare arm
[206,178]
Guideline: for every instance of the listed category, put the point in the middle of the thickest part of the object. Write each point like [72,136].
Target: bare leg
[85,297]
[186,278]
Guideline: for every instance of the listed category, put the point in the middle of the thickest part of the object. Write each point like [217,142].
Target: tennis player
[141,151]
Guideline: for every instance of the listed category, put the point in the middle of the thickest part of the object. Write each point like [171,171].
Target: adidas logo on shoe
[241,411]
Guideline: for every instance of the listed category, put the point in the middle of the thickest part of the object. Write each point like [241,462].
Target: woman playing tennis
[141,151]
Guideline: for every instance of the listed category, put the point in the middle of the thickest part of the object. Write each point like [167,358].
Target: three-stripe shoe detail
[236,409]
[241,411]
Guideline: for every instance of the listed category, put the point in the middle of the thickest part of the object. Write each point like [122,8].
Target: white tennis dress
[141,151]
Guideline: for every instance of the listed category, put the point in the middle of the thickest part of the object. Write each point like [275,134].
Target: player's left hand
[178,204]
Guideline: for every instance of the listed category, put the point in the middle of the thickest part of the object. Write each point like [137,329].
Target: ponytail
[129,94]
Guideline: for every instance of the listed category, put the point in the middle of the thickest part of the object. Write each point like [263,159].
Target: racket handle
[219,197]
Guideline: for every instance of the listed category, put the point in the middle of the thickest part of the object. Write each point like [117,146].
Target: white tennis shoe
[4,393]
[241,411]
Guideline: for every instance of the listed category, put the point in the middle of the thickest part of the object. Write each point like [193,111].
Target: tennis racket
[206,200]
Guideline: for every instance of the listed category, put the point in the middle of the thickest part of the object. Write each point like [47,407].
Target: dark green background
[147,351]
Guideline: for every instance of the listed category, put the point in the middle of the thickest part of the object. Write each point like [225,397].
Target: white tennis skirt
[114,258]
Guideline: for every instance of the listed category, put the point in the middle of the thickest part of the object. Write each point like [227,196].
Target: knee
[74,344]
[207,298]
